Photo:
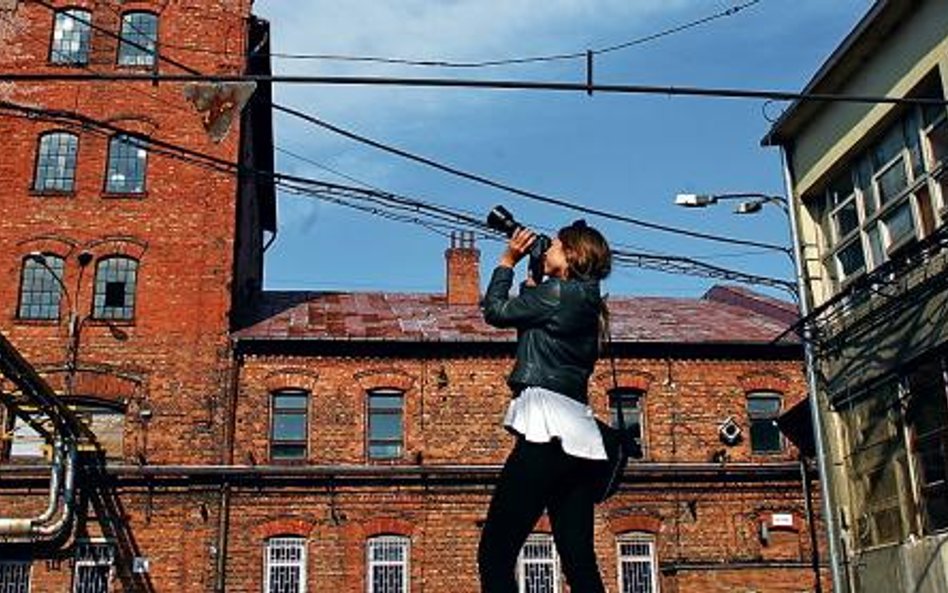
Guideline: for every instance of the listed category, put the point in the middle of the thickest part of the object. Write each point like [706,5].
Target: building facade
[297,441]
[869,186]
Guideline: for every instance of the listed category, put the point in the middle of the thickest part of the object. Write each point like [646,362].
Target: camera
[502,221]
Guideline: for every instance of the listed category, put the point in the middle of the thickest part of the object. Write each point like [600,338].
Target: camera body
[501,220]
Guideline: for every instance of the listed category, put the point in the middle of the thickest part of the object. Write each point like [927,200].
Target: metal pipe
[28,529]
[816,417]
[52,530]
[811,522]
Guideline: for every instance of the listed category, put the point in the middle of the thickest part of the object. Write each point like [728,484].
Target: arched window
[41,287]
[633,414]
[386,431]
[763,408]
[115,282]
[638,566]
[387,564]
[56,162]
[128,163]
[289,425]
[538,566]
[139,39]
[71,34]
[284,565]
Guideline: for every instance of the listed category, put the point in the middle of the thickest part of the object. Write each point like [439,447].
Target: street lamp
[751,202]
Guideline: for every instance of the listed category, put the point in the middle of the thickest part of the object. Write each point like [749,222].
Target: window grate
[637,566]
[115,281]
[285,565]
[93,567]
[56,162]
[40,289]
[538,567]
[139,38]
[71,34]
[388,564]
[15,577]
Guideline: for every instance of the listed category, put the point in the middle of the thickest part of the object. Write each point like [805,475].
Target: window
[388,564]
[114,297]
[888,195]
[762,411]
[386,433]
[288,425]
[877,466]
[139,39]
[56,162]
[638,568]
[107,421]
[41,287]
[284,565]
[25,442]
[538,566]
[15,576]
[71,32]
[128,159]
[632,413]
[92,568]
[927,421]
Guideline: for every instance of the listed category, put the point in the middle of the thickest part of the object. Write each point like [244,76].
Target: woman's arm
[531,307]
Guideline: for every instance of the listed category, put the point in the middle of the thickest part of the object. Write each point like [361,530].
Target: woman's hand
[517,247]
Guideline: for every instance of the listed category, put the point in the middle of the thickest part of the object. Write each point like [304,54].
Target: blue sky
[628,154]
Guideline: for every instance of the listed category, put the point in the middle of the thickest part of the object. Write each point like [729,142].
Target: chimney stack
[463,266]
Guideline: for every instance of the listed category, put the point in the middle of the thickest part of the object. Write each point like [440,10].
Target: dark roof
[718,317]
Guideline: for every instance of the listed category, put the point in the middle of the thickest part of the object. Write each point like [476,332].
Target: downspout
[43,526]
[816,416]
[223,514]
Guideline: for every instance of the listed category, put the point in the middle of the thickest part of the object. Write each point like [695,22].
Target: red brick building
[291,441]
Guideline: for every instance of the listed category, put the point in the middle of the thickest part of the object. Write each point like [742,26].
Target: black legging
[540,476]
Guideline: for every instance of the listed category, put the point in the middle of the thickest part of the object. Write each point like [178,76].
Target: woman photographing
[559,323]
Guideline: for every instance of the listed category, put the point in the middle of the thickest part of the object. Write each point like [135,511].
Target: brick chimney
[463,266]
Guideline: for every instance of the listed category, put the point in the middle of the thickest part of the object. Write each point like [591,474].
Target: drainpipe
[42,526]
[223,513]
[816,415]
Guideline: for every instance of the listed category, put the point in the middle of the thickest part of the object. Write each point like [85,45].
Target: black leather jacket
[557,331]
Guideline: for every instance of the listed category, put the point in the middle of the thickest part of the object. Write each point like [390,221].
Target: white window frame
[13,565]
[275,544]
[92,554]
[546,541]
[402,542]
[651,559]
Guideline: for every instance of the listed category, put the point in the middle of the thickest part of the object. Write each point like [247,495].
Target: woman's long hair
[589,258]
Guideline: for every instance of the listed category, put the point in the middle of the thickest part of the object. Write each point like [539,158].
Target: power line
[508,61]
[497,84]
[196,75]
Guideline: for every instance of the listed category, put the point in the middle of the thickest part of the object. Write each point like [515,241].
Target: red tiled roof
[285,315]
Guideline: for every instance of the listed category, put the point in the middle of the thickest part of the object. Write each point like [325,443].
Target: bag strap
[620,417]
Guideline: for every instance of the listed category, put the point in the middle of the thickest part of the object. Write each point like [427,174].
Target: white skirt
[541,415]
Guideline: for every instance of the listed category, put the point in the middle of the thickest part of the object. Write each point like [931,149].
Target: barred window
[128,160]
[284,565]
[71,33]
[115,280]
[139,39]
[15,576]
[288,425]
[763,408]
[388,564]
[56,162]
[93,568]
[41,287]
[637,564]
[538,566]
[386,433]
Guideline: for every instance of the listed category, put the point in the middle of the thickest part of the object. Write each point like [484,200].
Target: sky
[628,154]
